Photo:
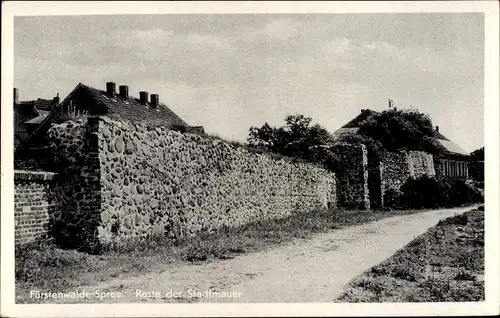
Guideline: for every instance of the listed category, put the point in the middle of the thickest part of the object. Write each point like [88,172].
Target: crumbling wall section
[396,169]
[352,176]
[77,188]
[421,164]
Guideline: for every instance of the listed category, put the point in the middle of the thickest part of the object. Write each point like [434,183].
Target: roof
[22,113]
[352,127]
[356,121]
[452,147]
[40,103]
[344,131]
[99,103]
[133,110]
[30,112]
[38,119]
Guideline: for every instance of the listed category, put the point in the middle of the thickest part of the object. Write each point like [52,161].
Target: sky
[230,72]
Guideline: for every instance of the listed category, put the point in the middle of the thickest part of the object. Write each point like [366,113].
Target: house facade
[454,162]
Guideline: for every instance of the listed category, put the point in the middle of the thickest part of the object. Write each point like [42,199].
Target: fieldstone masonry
[78,184]
[397,167]
[117,182]
[121,181]
[352,176]
[421,163]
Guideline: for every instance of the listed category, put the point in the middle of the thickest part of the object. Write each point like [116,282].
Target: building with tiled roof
[86,101]
[28,115]
[451,161]
[89,101]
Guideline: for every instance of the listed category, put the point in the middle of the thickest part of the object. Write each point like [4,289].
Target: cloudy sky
[230,72]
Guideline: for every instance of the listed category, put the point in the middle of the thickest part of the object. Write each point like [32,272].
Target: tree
[478,154]
[294,139]
[262,137]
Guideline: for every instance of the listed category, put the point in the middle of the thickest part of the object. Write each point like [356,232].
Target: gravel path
[311,270]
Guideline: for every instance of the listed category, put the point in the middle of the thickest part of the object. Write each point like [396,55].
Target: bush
[399,129]
[431,192]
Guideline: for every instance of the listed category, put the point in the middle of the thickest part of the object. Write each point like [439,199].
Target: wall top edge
[33,175]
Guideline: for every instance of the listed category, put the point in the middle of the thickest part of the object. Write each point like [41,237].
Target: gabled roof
[352,127]
[99,103]
[132,109]
[365,114]
[40,103]
[38,119]
[29,113]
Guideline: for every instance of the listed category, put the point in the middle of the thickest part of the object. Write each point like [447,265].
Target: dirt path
[312,270]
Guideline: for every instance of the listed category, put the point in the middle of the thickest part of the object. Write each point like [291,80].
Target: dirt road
[312,270]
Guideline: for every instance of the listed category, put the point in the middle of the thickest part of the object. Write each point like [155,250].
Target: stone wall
[421,163]
[121,181]
[397,167]
[78,188]
[33,203]
[352,176]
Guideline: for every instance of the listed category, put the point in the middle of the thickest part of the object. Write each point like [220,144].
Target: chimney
[155,100]
[56,99]
[437,128]
[143,97]
[111,89]
[124,91]
[16,95]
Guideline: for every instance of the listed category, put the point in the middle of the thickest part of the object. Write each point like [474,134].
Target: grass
[444,264]
[43,266]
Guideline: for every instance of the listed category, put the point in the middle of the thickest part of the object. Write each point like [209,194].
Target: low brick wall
[33,203]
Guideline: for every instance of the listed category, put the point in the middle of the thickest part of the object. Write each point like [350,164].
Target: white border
[490,306]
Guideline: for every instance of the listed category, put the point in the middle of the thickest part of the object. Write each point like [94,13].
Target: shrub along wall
[142,182]
[431,192]
[33,204]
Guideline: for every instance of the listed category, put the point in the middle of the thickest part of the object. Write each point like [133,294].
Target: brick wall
[33,203]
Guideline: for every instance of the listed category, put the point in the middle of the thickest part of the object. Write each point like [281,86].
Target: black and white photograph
[231,157]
